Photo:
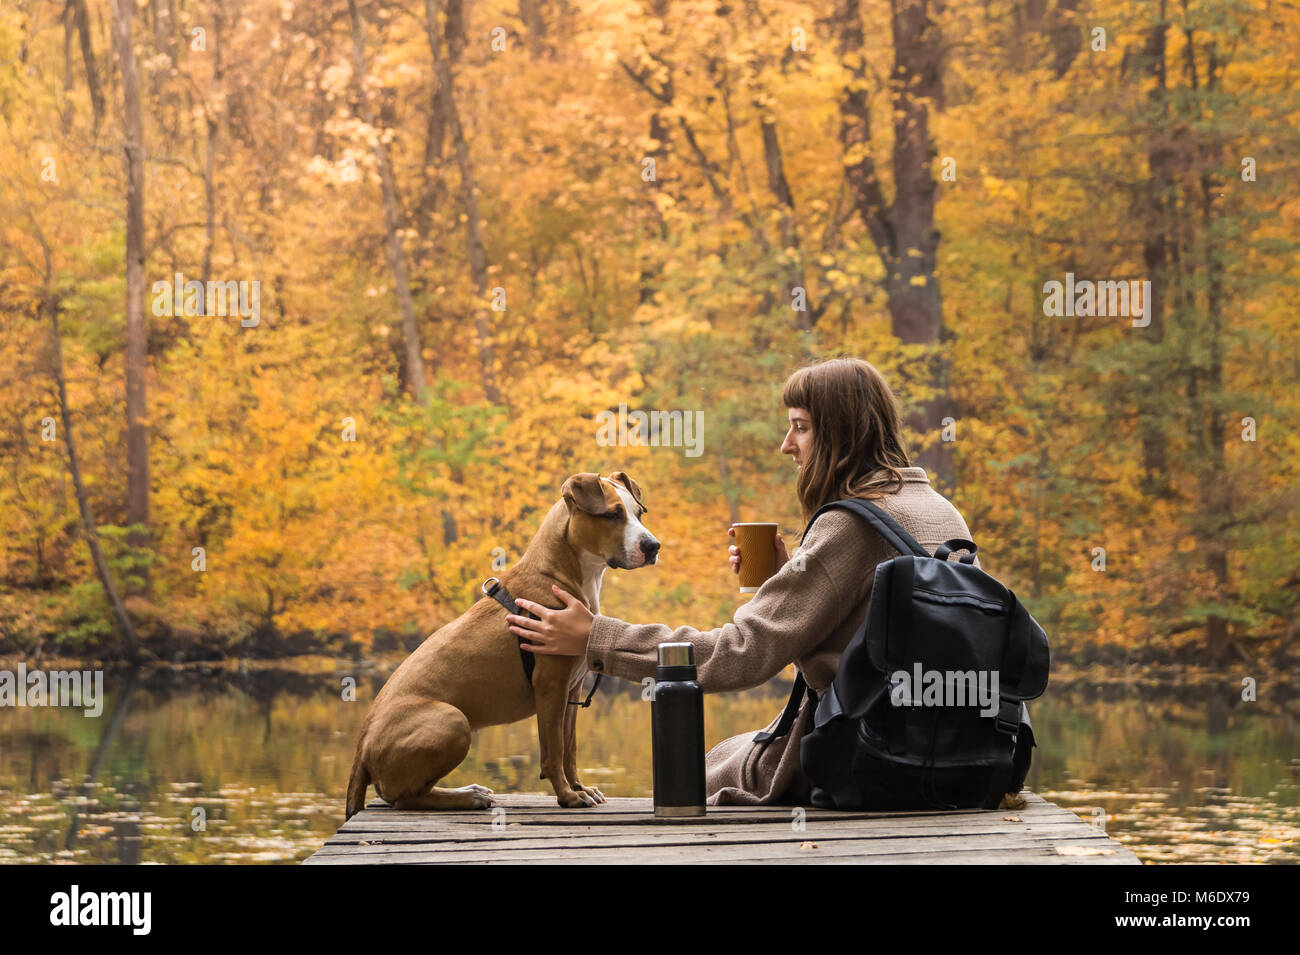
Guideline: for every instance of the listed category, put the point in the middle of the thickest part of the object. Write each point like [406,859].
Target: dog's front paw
[478,797]
[576,799]
[591,791]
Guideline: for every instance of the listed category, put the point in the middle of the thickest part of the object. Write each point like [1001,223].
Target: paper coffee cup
[757,543]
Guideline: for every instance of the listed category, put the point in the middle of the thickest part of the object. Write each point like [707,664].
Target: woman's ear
[631,485]
[583,492]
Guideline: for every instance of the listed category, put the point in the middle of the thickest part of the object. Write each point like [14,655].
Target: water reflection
[126,828]
[207,766]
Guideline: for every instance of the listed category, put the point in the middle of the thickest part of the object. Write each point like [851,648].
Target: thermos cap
[676,655]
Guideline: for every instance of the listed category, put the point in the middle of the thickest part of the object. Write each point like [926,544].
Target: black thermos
[677,733]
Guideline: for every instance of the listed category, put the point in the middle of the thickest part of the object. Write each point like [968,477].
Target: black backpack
[881,743]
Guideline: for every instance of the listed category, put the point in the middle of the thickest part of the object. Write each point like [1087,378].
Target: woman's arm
[793,612]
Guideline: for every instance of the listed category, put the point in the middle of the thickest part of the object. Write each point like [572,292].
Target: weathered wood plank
[547,813]
[763,830]
[596,819]
[524,828]
[638,805]
[936,849]
[1056,835]
[533,830]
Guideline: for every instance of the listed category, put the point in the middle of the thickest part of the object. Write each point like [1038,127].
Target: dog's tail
[357,783]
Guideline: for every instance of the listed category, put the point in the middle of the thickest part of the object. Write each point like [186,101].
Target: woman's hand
[782,557]
[563,632]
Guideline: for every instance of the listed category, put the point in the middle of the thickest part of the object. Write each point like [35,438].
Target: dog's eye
[613,515]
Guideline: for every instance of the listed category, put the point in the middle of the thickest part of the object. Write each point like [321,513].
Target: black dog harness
[497,591]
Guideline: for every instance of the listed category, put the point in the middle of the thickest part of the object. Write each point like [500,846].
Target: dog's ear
[631,485]
[584,492]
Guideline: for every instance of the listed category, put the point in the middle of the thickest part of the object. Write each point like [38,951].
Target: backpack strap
[1013,715]
[791,710]
[881,522]
[1014,655]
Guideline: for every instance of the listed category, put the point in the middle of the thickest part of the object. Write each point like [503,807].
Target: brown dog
[468,674]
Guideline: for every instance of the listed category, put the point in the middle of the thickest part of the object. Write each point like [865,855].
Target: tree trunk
[1065,35]
[793,274]
[1159,199]
[455,32]
[913,290]
[648,271]
[914,303]
[81,19]
[213,124]
[51,305]
[164,29]
[137,431]
[903,231]
[478,266]
[1216,502]
[530,12]
[392,221]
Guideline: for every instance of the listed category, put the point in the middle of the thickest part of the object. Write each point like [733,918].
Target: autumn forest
[307,309]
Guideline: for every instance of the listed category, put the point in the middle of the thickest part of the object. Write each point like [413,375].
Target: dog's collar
[501,595]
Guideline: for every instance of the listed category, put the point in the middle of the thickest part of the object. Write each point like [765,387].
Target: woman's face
[798,440]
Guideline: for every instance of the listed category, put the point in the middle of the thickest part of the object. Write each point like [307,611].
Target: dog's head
[605,519]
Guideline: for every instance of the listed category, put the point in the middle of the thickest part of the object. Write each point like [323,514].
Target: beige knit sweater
[805,617]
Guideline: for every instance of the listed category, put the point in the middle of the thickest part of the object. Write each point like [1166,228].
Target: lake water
[226,767]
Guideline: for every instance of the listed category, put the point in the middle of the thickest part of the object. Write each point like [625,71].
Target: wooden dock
[528,828]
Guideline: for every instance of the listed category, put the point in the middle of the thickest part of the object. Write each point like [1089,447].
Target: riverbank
[221,764]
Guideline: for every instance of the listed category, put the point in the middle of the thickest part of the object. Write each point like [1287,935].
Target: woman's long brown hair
[857,442]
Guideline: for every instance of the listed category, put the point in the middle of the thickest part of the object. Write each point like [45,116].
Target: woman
[845,440]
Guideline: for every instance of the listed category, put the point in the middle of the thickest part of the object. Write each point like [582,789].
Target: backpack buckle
[1008,718]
